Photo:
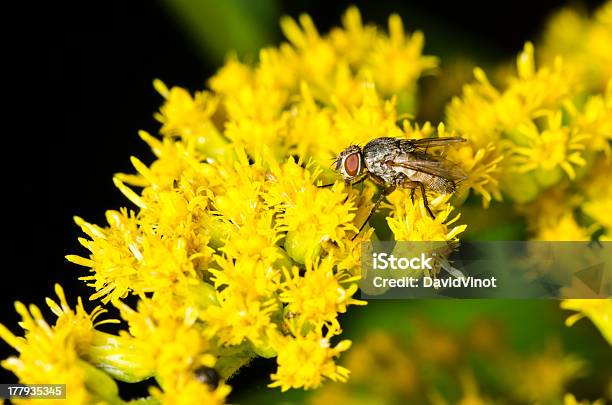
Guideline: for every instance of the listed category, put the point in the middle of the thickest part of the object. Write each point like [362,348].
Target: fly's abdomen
[435,183]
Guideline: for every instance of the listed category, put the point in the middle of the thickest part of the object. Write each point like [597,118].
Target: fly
[401,163]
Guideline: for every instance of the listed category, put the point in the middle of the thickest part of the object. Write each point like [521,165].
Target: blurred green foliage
[219,27]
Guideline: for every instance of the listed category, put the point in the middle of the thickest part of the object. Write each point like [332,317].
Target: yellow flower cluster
[584,41]
[522,126]
[548,132]
[234,250]
[54,353]
[578,210]
[317,94]
[582,203]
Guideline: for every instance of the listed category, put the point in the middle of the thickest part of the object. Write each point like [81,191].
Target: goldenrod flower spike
[231,248]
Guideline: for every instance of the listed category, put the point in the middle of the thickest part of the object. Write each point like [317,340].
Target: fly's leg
[382,195]
[352,182]
[413,185]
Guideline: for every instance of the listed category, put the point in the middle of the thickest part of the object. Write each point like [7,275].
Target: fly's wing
[428,164]
[423,144]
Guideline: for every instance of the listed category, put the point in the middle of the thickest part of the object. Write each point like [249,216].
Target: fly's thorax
[376,155]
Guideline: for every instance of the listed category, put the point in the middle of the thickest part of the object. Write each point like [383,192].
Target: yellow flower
[598,202]
[483,110]
[316,55]
[567,213]
[115,273]
[569,399]
[534,89]
[57,353]
[396,62]
[599,311]
[474,114]
[131,256]
[411,222]
[583,42]
[317,297]
[237,319]
[182,114]
[595,119]
[549,149]
[314,218]
[185,389]
[304,361]
[371,118]
[382,362]
[231,77]
[166,337]
[542,377]
[272,103]
[190,118]
[566,228]
[482,167]
[354,41]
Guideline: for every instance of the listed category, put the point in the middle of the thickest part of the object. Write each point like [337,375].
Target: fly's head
[350,163]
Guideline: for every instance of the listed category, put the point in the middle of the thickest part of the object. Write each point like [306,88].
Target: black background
[77,87]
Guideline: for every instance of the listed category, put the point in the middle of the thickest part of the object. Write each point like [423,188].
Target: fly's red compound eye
[352,164]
